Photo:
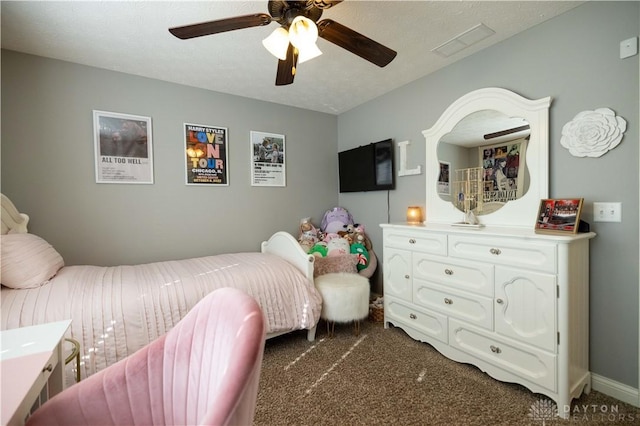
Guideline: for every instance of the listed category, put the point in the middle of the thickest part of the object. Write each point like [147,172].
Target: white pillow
[27,261]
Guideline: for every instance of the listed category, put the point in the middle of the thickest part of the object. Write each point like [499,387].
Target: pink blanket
[118,310]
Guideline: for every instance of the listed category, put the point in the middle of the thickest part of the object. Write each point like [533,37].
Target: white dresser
[510,301]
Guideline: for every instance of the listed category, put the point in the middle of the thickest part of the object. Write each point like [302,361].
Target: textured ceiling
[132,37]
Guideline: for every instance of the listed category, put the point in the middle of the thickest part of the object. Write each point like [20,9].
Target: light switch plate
[607,212]
[628,47]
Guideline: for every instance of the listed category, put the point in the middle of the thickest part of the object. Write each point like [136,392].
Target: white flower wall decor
[593,133]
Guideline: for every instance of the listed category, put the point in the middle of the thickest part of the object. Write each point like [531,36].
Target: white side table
[31,368]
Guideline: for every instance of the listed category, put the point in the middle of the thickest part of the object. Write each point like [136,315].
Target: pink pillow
[340,263]
[27,261]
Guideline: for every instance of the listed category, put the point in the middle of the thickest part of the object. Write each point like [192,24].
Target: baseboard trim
[615,389]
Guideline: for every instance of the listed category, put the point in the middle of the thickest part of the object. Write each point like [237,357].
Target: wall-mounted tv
[367,168]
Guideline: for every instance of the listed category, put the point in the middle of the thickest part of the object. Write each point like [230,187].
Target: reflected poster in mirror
[559,216]
[504,170]
[444,187]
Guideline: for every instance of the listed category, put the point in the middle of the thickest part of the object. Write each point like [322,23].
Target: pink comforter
[118,310]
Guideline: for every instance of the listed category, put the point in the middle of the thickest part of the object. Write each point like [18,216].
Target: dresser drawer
[43,377]
[429,323]
[454,273]
[468,307]
[423,242]
[531,364]
[504,251]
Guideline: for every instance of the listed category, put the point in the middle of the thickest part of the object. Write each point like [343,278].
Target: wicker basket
[376,314]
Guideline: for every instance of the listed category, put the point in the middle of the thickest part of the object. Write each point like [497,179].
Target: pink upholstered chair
[204,371]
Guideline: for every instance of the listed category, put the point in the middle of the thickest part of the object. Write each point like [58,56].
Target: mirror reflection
[482,162]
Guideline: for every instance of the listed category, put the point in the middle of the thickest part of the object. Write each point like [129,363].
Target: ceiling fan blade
[220,26]
[287,68]
[355,42]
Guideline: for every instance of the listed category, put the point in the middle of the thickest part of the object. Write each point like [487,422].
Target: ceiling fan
[294,41]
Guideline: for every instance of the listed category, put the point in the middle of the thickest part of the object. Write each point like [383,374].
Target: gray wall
[48,169]
[573,58]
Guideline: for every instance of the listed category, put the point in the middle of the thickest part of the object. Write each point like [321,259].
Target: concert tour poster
[206,153]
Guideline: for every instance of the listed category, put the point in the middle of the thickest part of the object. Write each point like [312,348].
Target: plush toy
[319,249]
[337,247]
[346,236]
[308,234]
[335,219]
[363,255]
[361,237]
[328,236]
[349,232]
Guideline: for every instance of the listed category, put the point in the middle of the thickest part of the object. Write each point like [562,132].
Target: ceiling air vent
[464,40]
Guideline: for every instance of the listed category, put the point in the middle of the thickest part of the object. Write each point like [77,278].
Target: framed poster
[123,148]
[206,154]
[268,156]
[444,180]
[559,216]
[504,167]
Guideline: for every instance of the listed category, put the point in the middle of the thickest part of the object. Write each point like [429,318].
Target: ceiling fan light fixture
[308,52]
[302,32]
[277,43]
[295,40]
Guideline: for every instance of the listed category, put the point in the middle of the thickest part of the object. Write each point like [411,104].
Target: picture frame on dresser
[559,216]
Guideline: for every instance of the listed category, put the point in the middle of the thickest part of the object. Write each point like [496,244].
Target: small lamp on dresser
[414,215]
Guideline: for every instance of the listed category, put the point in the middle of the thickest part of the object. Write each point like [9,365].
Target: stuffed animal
[335,219]
[328,236]
[361,237]
[319,249]
[308,234]
[363,255]
[337,247]
[349,232]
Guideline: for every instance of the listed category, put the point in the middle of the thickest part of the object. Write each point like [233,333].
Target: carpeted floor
[384,377]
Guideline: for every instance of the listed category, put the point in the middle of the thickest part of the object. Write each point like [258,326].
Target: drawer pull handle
[448,271]
[495,349]
[48,368]
[495,251]
[413,316]
[406,276]
[412,241]
[500,301]
[448,301]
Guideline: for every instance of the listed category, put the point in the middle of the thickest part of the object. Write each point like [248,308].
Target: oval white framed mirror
[488,119]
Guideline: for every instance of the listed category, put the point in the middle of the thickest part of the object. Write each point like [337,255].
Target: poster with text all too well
[123,148]
[206,155]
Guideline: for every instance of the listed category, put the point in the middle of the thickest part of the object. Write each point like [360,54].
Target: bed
[119,309]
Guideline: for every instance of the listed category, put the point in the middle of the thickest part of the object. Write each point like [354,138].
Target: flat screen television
[367,168]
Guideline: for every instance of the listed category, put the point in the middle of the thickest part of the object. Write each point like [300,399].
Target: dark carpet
[383,377]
